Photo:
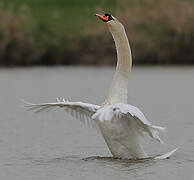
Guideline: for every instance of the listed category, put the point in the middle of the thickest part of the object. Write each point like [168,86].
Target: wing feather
[133,113]
[80,110]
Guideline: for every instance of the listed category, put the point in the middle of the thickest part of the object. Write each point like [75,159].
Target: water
[55,146]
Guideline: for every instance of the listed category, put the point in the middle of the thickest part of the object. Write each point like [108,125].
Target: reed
[160,32]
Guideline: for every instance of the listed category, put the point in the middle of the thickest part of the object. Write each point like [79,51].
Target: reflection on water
[124,163]
[53,145]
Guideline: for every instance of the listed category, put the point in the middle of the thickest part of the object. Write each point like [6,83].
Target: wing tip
[166,155]
[26,103]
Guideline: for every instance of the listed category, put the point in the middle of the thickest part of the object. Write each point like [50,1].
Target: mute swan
[121,124]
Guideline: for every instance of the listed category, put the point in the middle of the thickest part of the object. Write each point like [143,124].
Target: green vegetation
[66,32]
[46,31]
[66,13]
[161,32]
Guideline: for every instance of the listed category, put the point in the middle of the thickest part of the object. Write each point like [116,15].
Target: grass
[66,15]
[46,31]
[160,31]
[66,32]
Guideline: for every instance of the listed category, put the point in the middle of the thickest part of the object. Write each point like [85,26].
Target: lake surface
[56,146]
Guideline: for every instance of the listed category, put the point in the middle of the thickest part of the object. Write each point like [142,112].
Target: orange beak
[103,18]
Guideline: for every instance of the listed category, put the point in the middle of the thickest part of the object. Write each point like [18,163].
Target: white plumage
[79,110]
[122,125]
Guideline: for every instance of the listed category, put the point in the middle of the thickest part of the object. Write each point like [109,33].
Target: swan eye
[109,17]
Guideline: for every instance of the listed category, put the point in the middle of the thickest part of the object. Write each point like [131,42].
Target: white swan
[121,124]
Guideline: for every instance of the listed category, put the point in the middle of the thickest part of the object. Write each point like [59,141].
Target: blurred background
[37,33]
[47,32]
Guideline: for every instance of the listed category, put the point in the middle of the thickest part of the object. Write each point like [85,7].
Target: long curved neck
[118,90]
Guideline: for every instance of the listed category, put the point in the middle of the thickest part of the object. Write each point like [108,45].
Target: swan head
[106,17]
[112,22]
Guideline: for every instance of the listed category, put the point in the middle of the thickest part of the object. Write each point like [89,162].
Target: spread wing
[80,110]
[133,113]
[125,112]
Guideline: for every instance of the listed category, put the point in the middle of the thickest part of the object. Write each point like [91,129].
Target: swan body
[122,125]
